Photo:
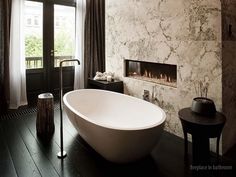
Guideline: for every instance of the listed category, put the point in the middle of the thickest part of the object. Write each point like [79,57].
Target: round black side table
[201,128]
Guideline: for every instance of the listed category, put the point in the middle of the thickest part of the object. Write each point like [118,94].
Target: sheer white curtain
[17,56]
[79,43]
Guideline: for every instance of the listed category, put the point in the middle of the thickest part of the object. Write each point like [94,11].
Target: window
[64,34]
[33,35]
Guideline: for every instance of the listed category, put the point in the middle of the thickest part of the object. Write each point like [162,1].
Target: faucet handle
[146,94]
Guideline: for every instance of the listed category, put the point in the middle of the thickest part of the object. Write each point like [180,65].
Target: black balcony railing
[33,62]
[37,62]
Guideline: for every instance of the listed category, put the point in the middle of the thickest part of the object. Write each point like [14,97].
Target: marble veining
[186,33]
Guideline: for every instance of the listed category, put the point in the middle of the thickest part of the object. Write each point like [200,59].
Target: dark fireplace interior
[164,74]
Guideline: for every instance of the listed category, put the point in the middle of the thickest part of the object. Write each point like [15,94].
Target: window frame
[40,80]
[59,2]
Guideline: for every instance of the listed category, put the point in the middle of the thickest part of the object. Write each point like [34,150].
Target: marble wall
[229,71]
[182,32]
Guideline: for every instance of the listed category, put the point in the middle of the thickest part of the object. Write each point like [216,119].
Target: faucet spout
[154,95]
[63,61]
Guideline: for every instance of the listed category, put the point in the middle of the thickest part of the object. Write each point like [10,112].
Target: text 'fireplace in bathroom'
[159,73]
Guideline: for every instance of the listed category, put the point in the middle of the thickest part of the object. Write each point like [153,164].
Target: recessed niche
[159,73]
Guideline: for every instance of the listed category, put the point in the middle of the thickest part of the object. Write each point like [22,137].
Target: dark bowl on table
[203,106]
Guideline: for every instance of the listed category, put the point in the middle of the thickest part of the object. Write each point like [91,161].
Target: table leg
[201,149]
[217,148]
[185,144]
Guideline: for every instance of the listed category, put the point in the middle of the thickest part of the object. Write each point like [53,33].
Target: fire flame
[162,76]
[149,74]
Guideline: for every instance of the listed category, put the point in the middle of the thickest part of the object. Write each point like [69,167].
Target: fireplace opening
[159,73]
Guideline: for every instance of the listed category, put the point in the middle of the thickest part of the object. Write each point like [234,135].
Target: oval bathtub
[119,127]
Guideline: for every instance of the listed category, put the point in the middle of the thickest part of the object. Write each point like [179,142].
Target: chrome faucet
[154,98]
[62,153]
[146,95]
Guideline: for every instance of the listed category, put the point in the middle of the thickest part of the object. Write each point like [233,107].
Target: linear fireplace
[164,74]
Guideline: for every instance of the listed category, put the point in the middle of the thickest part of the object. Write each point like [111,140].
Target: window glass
[64,34]
[33,34]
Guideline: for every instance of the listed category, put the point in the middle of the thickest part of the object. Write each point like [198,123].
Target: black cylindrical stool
[45,115]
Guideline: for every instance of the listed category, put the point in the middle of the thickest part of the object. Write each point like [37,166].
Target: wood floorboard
[50,149]
[7,168]
[168,156]
[23,162]
[71,132]
[44,165]
[74,133]
[23,154]
[77,153]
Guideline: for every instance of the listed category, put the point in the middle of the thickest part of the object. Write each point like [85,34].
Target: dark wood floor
[23,154]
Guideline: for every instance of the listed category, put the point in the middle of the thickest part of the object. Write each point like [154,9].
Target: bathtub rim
[162,120]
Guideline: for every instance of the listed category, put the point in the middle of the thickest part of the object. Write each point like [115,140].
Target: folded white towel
[103,76]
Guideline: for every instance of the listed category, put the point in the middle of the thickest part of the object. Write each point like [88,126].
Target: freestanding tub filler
[119,127]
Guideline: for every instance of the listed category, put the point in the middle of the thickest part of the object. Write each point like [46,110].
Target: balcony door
[49,38]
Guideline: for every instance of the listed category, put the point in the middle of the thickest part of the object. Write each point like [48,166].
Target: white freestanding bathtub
[119,127]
